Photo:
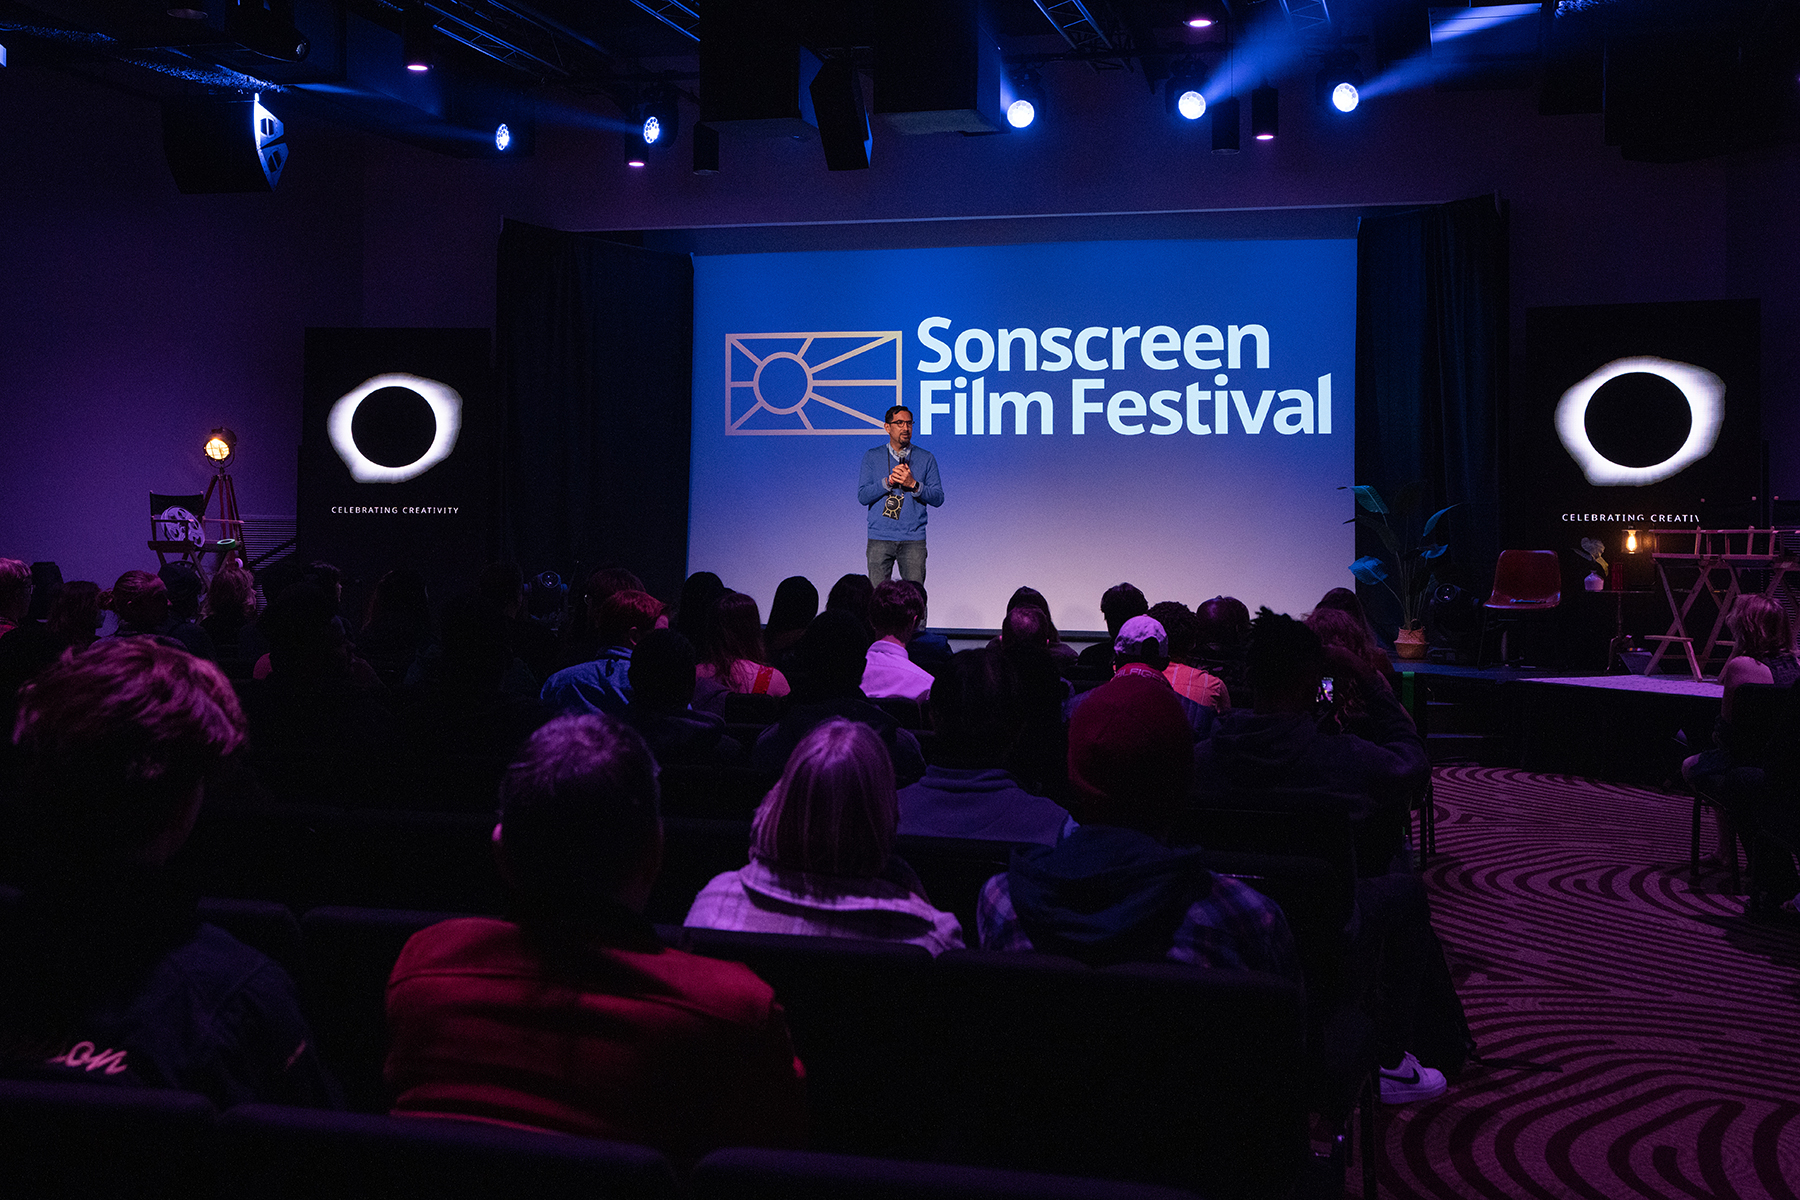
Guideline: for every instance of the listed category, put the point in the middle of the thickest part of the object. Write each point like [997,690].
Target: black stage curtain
[596,364]
[1431,360]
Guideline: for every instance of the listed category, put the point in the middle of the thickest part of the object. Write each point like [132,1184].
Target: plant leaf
[1369,570]
[1432,524]
[1592,548]
[1432,550]
[1389,538]
[1369,499]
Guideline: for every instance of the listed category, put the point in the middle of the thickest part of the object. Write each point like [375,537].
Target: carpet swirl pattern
[1580,943]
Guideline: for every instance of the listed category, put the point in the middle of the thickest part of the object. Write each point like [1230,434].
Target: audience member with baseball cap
[1111,891]
[1142,649]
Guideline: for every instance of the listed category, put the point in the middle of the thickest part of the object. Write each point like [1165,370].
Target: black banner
[397,454]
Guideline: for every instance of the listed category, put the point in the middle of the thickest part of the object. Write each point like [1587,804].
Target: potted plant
[1406,570]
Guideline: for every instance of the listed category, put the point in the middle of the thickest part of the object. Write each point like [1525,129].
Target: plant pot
[1410,645]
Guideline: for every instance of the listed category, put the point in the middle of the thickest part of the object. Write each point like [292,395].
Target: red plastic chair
[1524,581]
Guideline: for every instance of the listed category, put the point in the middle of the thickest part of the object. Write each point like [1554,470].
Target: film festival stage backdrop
[1636,416]
[1178,414]
[397,451]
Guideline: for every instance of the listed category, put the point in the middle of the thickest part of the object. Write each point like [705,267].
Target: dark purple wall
[135,318]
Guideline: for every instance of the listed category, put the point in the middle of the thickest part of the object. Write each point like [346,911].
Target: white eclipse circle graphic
[1703,391]
[446,414]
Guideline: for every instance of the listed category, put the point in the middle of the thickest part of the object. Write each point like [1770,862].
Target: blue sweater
[872,490]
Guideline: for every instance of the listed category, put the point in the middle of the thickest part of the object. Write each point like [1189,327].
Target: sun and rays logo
[810,383]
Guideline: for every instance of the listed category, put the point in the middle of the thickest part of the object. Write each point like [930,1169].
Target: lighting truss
[1086,35]
[1307,16]
[674,14]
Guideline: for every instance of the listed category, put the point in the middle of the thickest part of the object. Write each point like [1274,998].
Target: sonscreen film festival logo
[810,383]
[1705,396]
[844,383]
[446,416]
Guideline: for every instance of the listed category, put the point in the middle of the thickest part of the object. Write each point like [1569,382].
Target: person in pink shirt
[895,613]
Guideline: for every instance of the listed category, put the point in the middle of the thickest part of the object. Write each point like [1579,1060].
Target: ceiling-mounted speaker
[936,69]
[215,145]
[843,121]
[755,77]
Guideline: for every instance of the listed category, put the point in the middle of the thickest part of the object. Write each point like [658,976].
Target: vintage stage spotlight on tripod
[221,450]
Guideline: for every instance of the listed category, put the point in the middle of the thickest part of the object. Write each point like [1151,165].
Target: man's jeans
[883,556]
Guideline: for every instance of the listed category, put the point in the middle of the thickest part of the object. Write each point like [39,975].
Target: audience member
[926,648]
[1118,604]
[894,615]
[15,593]
[700,593]
[46,586]
[603,684]
[1349,711]
[1762,652]
[852,594]
[735,658]
[1028,597]
[1142,649]
[72,621]
[978,713]
[1195,682]
[397,628]
[229,607]
[110,976]
[1111,891]
[460,725]
[821,855]
[182,579]
[662,693]
[1277,757]
[141,601]
[320,731]
[1040,757]
[796,603]
[572,1016]
[580,638]
[1224,643]
[830,661]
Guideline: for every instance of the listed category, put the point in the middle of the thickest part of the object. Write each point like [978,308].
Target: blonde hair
[834,811]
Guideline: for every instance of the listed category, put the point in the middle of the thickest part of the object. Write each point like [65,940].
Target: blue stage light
[1021,113]
[502,137]
[653,131]
[1345,97]
[1191,104]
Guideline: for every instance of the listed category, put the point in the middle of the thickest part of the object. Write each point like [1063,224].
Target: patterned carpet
[1580,943]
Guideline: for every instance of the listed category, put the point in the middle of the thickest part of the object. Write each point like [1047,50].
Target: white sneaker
[1410,1082]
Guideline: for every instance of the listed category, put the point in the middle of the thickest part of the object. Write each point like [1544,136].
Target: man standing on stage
[898,481]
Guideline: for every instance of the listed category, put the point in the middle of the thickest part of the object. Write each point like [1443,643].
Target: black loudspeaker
[214,145]
[843,121]
[754,74]
[1452,624]
[936,69]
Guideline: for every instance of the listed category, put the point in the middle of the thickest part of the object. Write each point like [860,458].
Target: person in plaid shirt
[1111,891]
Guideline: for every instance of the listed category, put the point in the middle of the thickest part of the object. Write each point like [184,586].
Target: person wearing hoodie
[978,713]
[1281,756]
[1111,891]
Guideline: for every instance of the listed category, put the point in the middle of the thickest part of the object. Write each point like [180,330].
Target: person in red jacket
[572,1016]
